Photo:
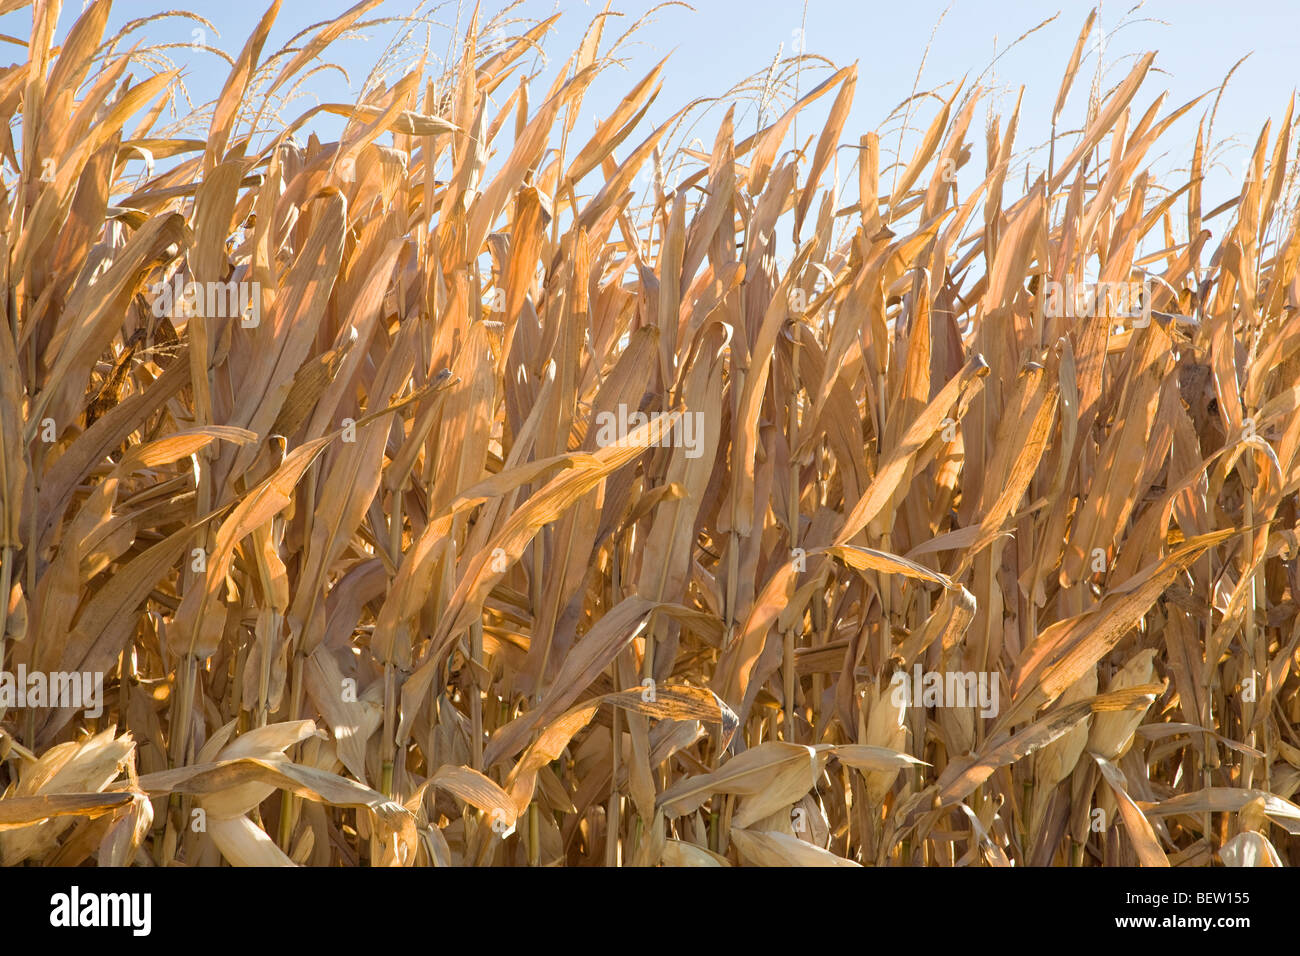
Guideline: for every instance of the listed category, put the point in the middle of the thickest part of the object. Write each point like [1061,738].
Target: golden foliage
[370,583]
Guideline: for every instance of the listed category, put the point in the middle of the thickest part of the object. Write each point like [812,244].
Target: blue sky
[720,42]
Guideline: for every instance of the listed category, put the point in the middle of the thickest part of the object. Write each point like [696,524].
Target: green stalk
[476,695]
[6,575]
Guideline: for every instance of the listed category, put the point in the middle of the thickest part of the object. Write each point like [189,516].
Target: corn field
[474,490]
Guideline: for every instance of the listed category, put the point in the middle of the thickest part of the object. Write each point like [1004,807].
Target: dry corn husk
[1112,733]
[885,728]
